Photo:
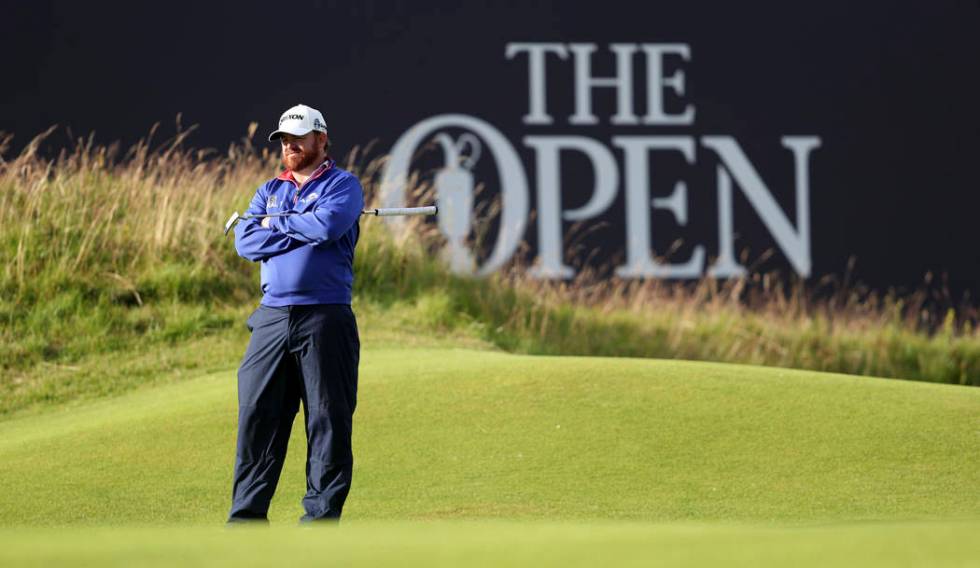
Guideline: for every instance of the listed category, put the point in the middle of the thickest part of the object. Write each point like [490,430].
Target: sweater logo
[309,198]
[271,202]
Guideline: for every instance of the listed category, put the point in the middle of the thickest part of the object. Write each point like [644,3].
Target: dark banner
[640,139]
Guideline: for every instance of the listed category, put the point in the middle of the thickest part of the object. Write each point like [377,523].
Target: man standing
[304,344]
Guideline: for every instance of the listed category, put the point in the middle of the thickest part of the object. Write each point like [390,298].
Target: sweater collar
[287,175]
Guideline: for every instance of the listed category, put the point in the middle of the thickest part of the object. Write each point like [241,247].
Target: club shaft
[263,215]
[402,211]
[380,212]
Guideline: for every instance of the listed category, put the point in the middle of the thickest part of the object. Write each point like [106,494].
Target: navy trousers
[296,353]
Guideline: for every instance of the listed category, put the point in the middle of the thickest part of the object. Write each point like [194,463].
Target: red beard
[299,160]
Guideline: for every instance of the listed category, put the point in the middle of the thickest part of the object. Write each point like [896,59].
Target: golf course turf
[601,458]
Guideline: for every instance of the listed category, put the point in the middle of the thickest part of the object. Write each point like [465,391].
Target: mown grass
[499,543]
[451,434]
[109,250]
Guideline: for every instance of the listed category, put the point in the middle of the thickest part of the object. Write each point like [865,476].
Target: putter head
[231,222]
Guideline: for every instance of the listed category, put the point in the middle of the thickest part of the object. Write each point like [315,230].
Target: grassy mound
[463,434]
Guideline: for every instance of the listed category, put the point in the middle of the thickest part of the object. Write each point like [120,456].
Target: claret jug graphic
[455,186]
[454,193]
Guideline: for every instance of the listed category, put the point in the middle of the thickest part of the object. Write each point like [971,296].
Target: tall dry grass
[105,249]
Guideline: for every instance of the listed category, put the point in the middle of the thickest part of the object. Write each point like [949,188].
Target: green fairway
[445,434]
[503,543]
[458,451]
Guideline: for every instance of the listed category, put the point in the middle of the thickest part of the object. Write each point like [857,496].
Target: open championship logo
[454,182]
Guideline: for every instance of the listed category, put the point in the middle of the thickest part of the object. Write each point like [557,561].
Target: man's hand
[265,222]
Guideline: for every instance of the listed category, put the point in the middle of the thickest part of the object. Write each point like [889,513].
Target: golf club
[387,212]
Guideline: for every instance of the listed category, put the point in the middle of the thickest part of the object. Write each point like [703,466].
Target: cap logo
[286,117]
[318,124]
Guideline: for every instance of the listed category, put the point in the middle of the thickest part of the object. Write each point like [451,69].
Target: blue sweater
[306,258]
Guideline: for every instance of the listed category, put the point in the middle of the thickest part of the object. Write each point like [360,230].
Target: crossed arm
[332,216]
[255,242]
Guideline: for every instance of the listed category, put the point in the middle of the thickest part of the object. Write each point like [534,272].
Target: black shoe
[247,521]
[320,521]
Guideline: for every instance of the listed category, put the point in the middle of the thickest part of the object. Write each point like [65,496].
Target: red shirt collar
[287,175]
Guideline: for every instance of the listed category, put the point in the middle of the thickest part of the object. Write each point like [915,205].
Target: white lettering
[639,259]
[656,83]
[795,243]
[550,238]
[585,82]
[537,95]
[665,102]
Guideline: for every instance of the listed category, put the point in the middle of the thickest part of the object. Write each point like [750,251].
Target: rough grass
[110,252]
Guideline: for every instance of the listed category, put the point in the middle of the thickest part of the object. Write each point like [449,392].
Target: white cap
[299,120]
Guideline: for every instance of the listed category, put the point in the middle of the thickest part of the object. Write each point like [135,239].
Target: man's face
[301,152]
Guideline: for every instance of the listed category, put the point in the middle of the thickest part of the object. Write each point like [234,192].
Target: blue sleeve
[254,242]
[334,214]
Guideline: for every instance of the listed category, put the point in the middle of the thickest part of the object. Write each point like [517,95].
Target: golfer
[304,344]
